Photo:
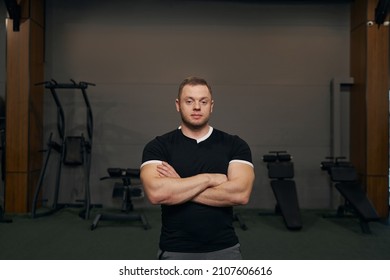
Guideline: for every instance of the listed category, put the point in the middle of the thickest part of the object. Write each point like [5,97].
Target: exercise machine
[281,172]
[126,190]
[74,151]
[356,203]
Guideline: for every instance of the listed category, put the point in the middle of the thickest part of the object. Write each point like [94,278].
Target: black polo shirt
[193,227]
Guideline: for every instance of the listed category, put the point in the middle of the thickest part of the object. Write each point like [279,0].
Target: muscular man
[197,174]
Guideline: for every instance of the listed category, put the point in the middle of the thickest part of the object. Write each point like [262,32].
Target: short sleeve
[241,151]
[154,151]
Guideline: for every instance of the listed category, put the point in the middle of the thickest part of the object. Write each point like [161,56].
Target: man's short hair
[193,81]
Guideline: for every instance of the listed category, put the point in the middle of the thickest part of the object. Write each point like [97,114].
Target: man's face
[195,106]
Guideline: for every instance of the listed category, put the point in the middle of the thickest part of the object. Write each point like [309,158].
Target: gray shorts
[231,253]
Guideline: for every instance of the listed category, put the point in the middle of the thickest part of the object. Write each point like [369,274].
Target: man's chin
[196,126]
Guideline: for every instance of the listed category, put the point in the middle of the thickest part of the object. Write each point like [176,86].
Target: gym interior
[86,84]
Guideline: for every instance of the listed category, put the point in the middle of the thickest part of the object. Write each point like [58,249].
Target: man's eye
[189,102]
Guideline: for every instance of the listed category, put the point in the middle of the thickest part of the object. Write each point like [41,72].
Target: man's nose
[196,105]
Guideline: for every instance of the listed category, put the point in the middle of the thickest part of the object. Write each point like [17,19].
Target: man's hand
[166,170]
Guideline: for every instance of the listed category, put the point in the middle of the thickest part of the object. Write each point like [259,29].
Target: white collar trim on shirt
[204,137]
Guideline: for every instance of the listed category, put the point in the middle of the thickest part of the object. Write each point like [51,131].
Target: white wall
[270,65]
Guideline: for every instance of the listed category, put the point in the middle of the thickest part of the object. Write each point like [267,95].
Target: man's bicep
[149,179]
[149,173]
[241,177]
[235,191]
[241,172]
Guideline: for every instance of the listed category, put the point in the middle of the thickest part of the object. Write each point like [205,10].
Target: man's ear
[177,105]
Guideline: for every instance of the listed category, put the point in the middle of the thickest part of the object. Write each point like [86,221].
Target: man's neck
[195,133]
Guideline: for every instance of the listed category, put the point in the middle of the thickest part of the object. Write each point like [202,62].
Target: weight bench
[281,173]
[356,202]
[125,190]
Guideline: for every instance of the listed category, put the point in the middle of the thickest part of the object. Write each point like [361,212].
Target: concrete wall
[270,64]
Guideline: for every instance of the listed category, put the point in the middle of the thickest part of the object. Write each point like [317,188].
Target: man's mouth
[196,116]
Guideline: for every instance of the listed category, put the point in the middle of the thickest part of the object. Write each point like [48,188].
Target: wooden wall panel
[36,96]
[359,13]
[358,128]
[16,199]
[24,101]
[378,100]
[19,198]
[37,12]
[377,191]
[17,97]
[369,103]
